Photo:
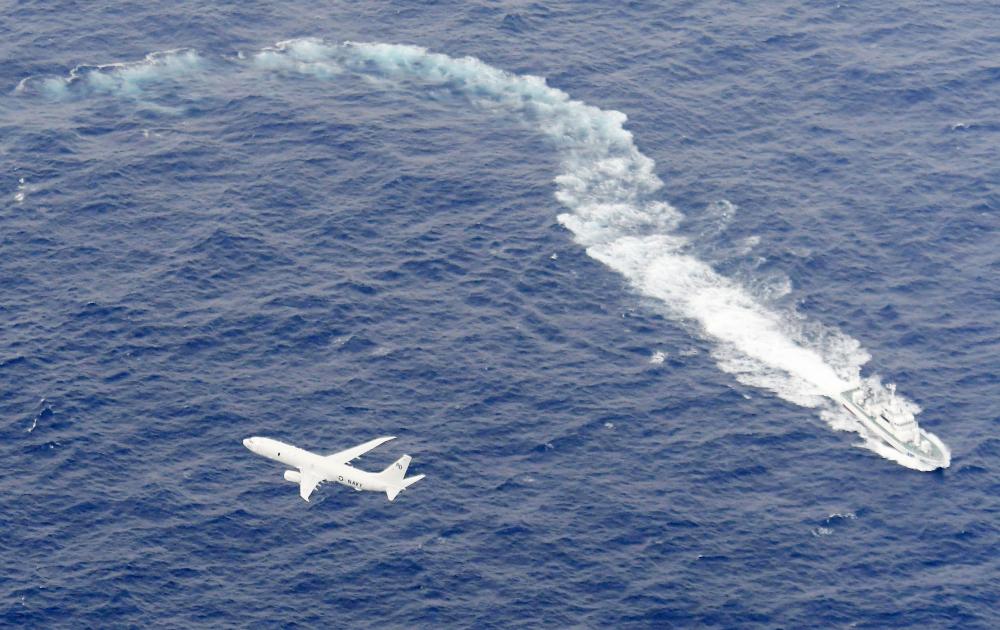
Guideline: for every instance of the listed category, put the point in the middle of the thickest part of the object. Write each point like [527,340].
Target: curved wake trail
[607,188]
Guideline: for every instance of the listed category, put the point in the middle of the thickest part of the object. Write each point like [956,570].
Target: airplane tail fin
[397,470]
[394,477]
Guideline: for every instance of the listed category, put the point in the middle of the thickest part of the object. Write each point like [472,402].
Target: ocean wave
[608,188]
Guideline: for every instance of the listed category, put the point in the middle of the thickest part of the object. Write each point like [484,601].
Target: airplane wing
[348,455]
[308,482]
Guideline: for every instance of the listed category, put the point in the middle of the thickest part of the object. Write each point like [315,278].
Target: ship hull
[935,456]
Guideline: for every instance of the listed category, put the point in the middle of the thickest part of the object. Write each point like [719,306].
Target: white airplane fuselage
[304,461]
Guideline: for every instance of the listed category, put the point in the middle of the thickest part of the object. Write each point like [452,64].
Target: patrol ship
[885,418]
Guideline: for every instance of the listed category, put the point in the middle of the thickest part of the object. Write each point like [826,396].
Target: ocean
[598,266]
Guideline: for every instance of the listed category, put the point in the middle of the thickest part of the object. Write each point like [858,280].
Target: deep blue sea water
[604,341]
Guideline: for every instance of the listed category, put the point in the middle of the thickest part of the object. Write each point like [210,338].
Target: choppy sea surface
[597,265]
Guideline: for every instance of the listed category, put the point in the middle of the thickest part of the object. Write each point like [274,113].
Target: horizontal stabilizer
[393,491]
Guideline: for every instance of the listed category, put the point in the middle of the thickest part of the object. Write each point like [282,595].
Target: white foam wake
[608,189]
[121,78]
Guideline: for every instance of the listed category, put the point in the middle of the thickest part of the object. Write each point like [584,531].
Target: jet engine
[293,475]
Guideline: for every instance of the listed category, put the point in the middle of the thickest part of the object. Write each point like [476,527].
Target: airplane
[314,469]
